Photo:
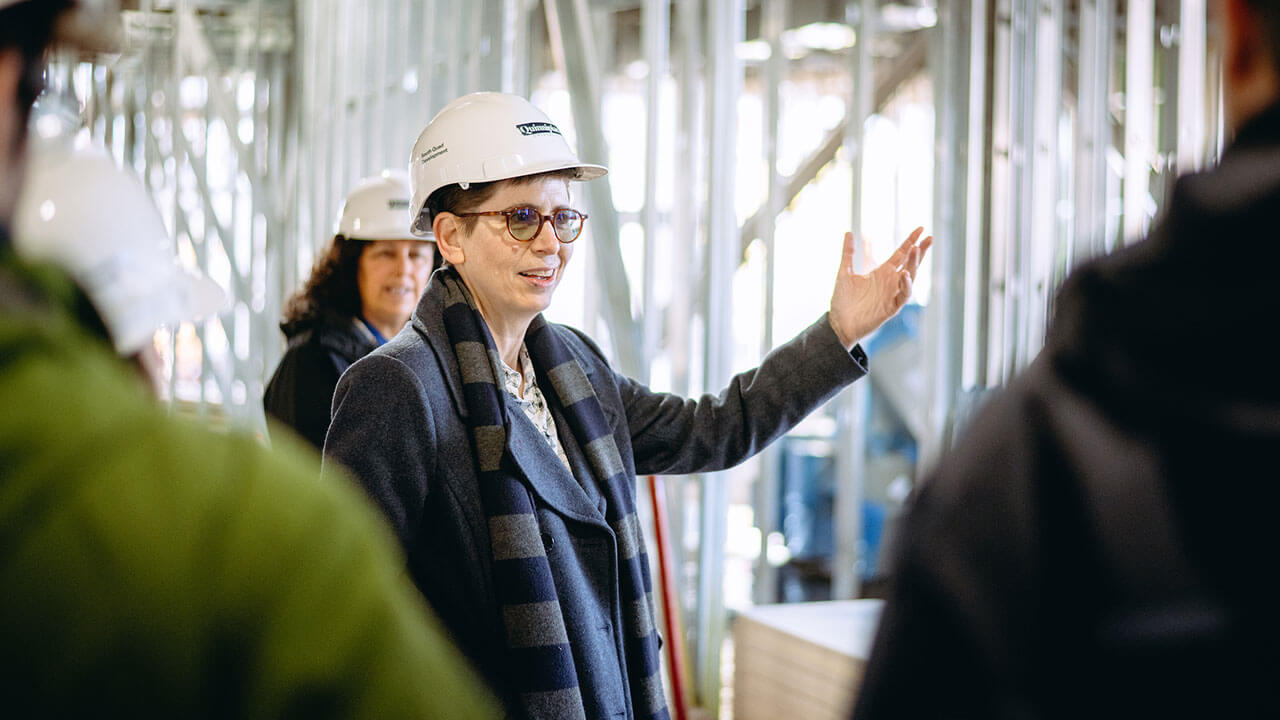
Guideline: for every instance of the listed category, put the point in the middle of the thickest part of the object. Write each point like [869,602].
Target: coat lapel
[547,476]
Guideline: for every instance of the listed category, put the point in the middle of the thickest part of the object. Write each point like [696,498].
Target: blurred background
[743,137]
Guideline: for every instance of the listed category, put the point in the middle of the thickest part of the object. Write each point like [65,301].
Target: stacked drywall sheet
[801,660]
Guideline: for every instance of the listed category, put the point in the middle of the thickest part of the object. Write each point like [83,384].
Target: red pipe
[670,605]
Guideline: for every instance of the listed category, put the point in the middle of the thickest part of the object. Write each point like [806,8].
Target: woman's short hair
[453,199]
[333,288]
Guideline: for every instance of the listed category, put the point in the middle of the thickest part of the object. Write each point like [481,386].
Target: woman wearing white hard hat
[81,211]
[360,293]
[504,449]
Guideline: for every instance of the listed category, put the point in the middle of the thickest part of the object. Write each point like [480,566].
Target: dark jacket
[301,389]
[1099,544]
[398,423]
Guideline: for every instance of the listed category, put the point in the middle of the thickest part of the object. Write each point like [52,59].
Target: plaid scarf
[540,661]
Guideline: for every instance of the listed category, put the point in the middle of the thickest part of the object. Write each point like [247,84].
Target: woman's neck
[508,337]
[507,334]
[386,326]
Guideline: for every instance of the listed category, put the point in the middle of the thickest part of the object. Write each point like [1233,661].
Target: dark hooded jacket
[1100,541]
[320,350]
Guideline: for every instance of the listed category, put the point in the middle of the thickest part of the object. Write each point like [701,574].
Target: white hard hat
[92,25]
[487,136]
[80,211]
[378,208]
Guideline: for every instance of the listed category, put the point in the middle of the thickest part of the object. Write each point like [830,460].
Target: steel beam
[655,28]
[773,22]
[1192,57]
[570,21]
[726,28]
[1139,112]
[851,404]
[1042,237]
[1093,129]
[683,268]
[960,78]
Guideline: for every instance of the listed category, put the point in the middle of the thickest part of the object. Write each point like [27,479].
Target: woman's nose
[545,242]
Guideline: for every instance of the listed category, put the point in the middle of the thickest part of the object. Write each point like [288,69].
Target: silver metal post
[1139,111]
[773,21]
[851,408]
[1192,57]
[726,29]
[571,19]
[655,21]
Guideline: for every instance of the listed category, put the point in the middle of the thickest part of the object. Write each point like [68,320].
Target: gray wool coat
[399,425]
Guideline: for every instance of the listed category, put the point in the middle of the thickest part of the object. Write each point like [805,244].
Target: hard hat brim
[207,298]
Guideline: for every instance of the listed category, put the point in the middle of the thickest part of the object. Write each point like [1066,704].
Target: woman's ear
[449,232]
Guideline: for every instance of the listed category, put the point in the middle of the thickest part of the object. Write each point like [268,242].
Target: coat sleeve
[301,391]
[382,432]
[673,435]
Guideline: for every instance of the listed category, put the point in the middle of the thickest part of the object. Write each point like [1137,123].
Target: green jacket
[152,568]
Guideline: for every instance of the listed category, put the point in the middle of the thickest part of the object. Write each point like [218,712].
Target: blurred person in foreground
[1098,544]
[153,569]
[83,213]
[360,293]
[505,449]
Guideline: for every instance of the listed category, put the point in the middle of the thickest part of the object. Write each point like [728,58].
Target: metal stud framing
[250,120]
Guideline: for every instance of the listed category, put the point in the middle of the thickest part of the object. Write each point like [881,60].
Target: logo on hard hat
[537,128]
[398,204]
[432,153]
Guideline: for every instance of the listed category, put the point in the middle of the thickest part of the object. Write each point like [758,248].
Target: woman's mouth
[541,277]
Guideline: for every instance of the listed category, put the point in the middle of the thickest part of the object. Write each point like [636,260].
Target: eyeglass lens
[525,222]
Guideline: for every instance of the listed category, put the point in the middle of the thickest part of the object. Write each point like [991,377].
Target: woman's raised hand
[862,303]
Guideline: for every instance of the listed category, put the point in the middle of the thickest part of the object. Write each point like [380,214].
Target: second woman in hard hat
[360,293]
[504,448]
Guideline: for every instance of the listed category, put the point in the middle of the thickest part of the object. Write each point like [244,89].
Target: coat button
[547,540]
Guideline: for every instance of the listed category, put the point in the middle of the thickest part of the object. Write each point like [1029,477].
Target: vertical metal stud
[773,21]
[1041,238]
[1192,98]
[726,28]
[655,21]
[1138,115]
[851,404]
[571,19]
[1093,129]
[951,332]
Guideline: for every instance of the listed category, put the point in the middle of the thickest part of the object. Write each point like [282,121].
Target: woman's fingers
[846,258]
[899,256]
[923,248]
